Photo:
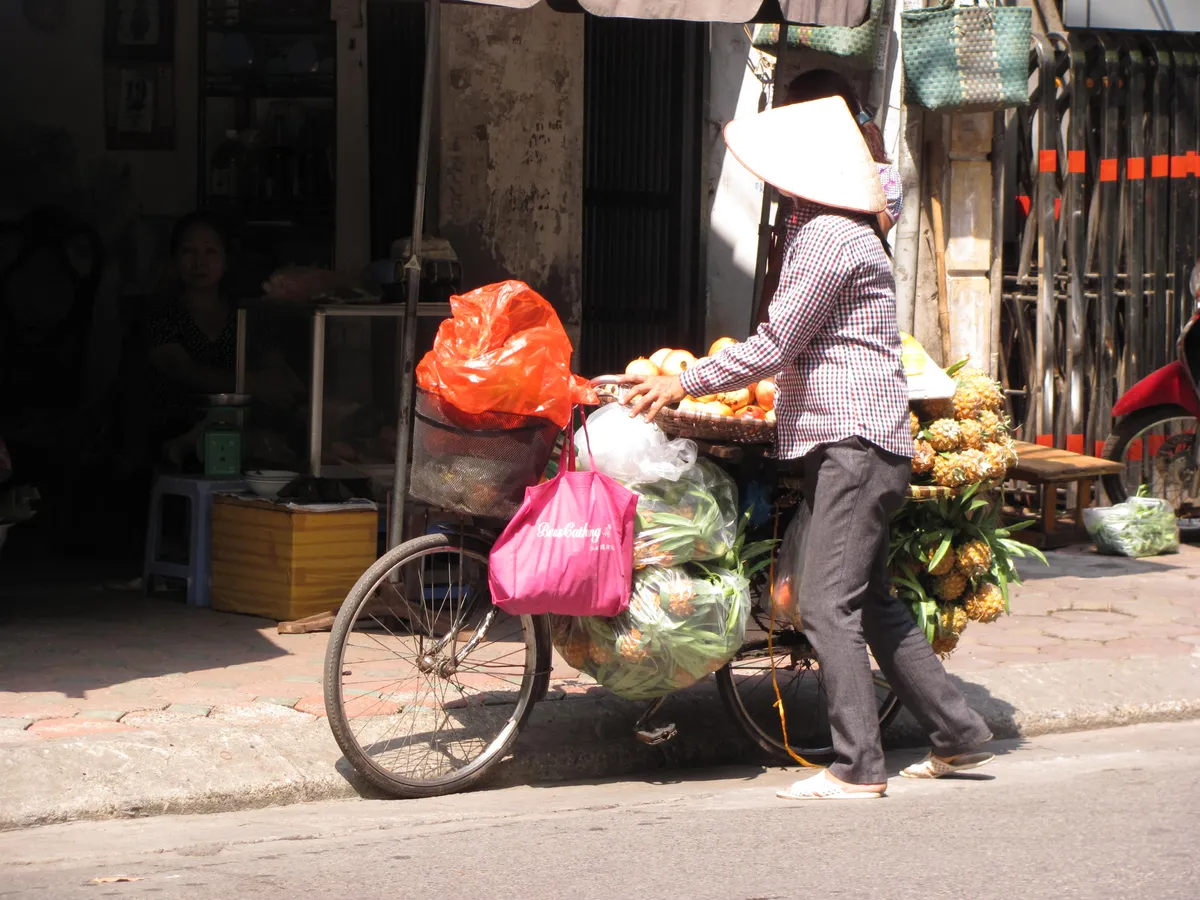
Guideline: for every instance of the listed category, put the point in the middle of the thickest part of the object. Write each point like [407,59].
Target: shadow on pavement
[63,634]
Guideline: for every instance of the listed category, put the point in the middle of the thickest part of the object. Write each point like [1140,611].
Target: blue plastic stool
[198,491]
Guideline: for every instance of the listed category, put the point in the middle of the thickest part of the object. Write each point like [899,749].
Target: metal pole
[412,269]
[764,223]
[316,400]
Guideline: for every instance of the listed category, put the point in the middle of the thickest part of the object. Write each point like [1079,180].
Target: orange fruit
[752,412]
[764,393]
[643,368]
[736,399]
[720,344]
[658,357]
[677,362]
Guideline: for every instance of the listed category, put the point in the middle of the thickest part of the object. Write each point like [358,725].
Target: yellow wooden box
[286,564]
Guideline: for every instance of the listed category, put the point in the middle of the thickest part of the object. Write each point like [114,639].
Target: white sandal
[818,787]
[934,767]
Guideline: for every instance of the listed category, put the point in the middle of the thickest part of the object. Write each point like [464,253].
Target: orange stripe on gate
[1181,167]
[1025,202]
[1154,443]
[1048,161]
[1134,453]
[1099,451]
[1109,169]
[1075,443]
[1076,162]
[1044,440]
[1160,166]
[1135,168]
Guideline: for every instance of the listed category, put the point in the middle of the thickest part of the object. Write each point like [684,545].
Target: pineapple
[680,603]
[914,424]
[969,373]
[945,565]
[630,646]
[968,401]
[993,426]
[948,588]
[948,471]
[985,603]
[972,434]
[575,651]
[943,646]
[997,461]
[944,435]
[990,393]
[975,465]
[953,621]
[974,559]
[601,654]
[923,458]
[935,409]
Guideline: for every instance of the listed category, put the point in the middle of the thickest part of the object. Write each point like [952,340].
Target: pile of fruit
[754,402]
[964,440]
[951,560]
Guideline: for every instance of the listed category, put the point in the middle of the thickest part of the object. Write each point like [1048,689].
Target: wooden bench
[1047,469]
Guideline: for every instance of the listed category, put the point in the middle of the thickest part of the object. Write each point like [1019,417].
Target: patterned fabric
[893,189]
[831,340]
[173,406]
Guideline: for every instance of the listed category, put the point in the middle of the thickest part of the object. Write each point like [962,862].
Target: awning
[799,12]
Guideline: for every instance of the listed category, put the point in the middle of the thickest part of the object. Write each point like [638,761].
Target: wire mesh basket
[476,464]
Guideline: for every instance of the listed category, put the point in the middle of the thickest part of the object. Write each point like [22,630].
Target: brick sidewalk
[77,662]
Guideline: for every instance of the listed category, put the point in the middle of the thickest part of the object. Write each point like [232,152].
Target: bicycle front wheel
[427,684]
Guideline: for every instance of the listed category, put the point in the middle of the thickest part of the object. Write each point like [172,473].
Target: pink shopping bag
[569,549]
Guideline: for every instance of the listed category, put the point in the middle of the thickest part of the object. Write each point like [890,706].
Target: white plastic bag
[1139,527]
[789,568]
[632,450]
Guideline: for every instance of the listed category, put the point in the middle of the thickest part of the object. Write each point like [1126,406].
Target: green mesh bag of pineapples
[952,560]
[682,624]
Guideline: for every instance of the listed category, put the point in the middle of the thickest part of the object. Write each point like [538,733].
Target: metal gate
[1101,200]
[641,189]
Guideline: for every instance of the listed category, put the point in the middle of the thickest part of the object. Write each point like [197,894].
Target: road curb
[211,766]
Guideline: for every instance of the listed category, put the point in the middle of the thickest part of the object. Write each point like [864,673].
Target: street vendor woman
[832,341]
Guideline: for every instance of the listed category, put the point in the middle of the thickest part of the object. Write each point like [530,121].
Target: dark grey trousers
[851,489]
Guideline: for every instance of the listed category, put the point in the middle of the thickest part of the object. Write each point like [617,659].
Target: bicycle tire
[889,708]
[533,684]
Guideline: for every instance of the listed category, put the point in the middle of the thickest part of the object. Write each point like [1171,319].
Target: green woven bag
[967,58]
[857,46]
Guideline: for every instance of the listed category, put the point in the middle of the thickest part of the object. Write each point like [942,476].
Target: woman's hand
[651,393]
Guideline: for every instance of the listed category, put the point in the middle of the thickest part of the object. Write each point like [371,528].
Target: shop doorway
[642,288]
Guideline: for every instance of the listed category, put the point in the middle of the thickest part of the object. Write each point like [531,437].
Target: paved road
[1092,815]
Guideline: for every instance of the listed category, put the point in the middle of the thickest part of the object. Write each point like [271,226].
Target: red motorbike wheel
[1157,448]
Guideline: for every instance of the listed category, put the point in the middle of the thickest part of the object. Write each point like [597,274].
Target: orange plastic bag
[504,350]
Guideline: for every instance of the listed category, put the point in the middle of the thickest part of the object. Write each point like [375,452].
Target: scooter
[1155,433]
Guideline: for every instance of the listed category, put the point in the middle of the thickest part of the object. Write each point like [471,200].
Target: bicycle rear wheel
[427,684]
[749,696]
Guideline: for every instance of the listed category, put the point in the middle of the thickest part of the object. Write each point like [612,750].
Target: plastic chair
[198,491]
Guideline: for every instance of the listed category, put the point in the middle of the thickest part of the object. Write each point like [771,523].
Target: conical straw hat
[810,150]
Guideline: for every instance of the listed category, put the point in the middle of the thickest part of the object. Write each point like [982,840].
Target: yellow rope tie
[771,654]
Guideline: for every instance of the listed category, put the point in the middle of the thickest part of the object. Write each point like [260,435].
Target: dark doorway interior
[642,285]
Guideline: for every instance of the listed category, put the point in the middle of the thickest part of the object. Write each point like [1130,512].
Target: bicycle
[448,681]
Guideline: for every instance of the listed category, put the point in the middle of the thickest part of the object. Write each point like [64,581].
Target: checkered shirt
[831,341]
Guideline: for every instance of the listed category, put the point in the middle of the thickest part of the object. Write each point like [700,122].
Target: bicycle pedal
[655,736]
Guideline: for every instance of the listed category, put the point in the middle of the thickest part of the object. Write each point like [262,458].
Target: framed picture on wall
[139,107]
[139,30]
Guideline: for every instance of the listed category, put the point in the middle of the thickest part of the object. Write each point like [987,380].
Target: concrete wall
[733,197]
[510,173]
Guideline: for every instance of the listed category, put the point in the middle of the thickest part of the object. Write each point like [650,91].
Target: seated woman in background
[193,341]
